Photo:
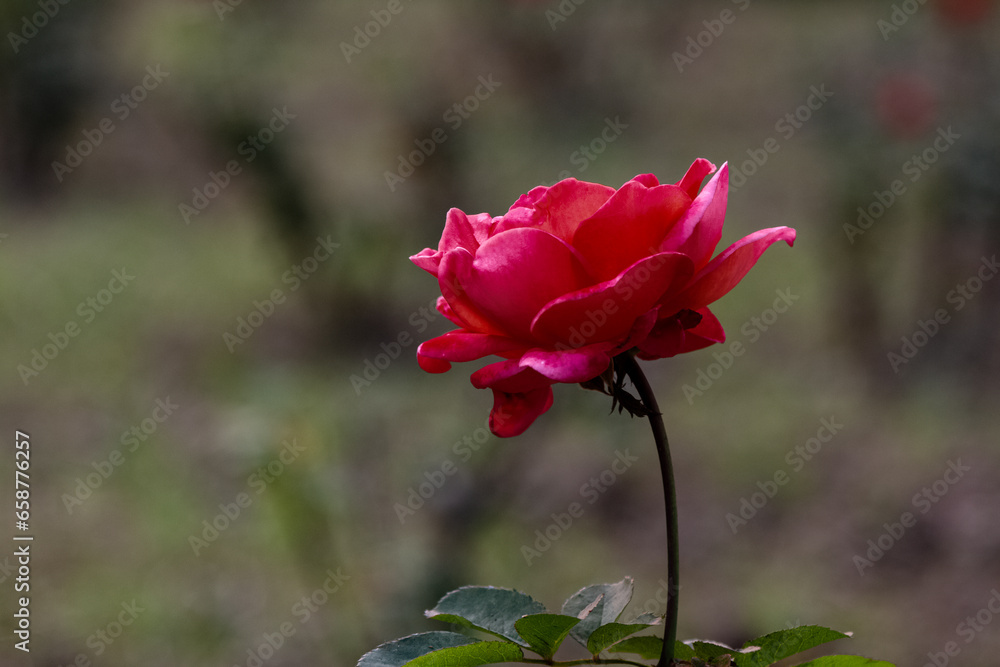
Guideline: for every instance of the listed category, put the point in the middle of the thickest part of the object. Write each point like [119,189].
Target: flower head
[577,273]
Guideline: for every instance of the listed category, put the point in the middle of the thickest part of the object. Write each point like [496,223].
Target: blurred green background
[204,147]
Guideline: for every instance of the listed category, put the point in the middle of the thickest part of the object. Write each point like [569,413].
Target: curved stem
[629,366]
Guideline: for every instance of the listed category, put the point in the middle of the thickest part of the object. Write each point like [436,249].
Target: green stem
[630,367]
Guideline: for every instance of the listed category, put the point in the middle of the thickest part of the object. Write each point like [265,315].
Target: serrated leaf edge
[433,614]
[449,648]
[745,649]
[471,640]
[531,647]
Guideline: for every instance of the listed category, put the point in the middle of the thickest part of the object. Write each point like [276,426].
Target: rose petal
[628,227]
[725,271]
[558,210]
[696,173]
[520,395]
[514,274]
[513,413]
[607,311]
[663,341]
[446,310]
[460,231]
[432,365]
[700,229]
[461,345]
[640,331]
[695,339]
[669,337]
[508,376]
[427,259]
[456,266]
[569,365]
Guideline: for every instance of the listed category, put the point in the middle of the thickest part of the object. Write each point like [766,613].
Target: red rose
[577,273]
[965,11]
[906,104]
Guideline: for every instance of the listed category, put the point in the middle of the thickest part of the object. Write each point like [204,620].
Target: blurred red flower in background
[906,105]
[965,11]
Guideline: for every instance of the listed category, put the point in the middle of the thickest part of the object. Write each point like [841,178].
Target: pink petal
[699,231]
[628,227]
[640,331]
[558,210]
[607,312]
[663,341]
[446,310]
[432,365]
[649,180]
[669,337]
[709,329]
[696,173]
[570,365]
[508,376]
[517,272]
[512,414]
[460,231]
[725,271]
[455,268]
[520,395]
[428,260]
[460,345]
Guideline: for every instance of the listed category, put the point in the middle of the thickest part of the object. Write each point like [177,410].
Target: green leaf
[846,661]
[471,655]
[683,651]
[648,619]
[785,643]
[401,651]
[545,632]
[492,610]
[603,603]
[709,650]
[649,648]
[608,634]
